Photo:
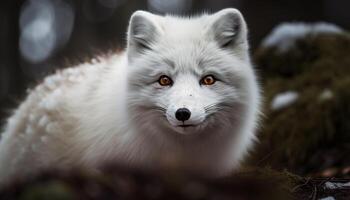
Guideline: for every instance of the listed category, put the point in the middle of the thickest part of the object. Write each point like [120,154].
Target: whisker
[211,107]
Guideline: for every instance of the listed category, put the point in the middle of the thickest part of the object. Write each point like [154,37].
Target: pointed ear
[142,32]
[229,29]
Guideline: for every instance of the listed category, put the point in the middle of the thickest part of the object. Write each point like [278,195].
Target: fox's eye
[208,80]
[165,81]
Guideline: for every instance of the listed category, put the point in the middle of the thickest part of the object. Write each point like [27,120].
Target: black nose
[183,114]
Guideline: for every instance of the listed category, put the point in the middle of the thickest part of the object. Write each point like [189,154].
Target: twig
[301,185]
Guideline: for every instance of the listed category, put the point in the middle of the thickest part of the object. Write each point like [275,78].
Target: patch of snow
[284,36]
[284,99]
[330,185]
[327,94]
[328,198]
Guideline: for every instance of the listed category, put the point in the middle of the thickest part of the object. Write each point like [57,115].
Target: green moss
[320,49]
[290,137]
[53,190]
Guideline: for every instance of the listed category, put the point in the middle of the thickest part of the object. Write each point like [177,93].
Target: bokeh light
[45,25]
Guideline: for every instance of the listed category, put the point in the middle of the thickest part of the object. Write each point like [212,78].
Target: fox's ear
[142,32]
[229,28]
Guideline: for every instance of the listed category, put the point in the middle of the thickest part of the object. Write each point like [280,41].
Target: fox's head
[190,75]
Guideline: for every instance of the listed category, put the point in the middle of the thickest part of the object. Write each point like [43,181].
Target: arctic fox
[182,96]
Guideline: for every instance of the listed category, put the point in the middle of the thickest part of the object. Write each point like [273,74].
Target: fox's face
[188,75]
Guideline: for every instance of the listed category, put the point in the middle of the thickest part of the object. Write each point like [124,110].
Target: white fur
[115,111]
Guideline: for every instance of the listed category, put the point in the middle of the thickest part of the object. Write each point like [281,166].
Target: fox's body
[117,110]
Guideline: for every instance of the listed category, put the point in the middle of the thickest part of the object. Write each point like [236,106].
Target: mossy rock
[312,133]
[321,51]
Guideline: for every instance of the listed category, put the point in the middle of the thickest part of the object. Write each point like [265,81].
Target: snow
[284,36]
[330,185]
[326,95]
[328,198]
[284,99]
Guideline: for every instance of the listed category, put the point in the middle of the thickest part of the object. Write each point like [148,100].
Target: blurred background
[39,36]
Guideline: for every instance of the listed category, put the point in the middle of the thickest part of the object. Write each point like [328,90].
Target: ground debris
[323,188]
[121,183]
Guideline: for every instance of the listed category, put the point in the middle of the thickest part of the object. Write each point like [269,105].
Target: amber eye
[165,81]
[208,80]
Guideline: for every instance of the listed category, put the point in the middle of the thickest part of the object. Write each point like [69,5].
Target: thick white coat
[107,111]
